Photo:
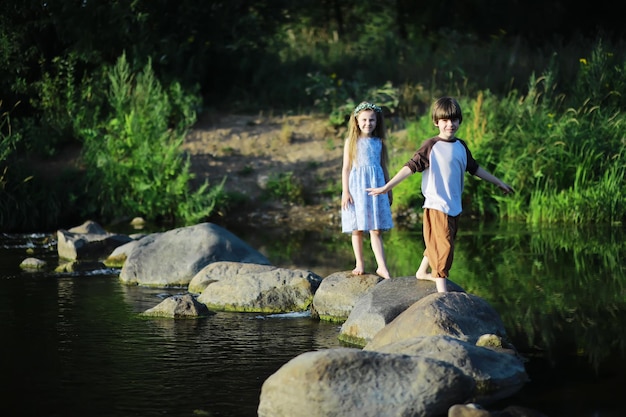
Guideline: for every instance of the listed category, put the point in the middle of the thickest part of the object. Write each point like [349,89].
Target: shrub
[133,161]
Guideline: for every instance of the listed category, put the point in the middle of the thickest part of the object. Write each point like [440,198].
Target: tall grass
[566,164]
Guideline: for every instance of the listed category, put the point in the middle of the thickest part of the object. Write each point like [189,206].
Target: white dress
[368,212]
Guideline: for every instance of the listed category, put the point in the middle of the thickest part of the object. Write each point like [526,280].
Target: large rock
[347,382]
[383,303]
[119,255]
[460,315]
[221,270]
[497,373]
[173,258]
[338,293]
[277,290]
[88,241]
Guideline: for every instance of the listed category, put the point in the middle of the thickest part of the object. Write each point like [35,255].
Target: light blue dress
[368,212]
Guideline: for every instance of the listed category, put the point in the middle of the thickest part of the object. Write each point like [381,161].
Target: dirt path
[249,150]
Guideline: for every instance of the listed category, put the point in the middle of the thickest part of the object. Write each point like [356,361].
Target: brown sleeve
[472,165]
[421,159]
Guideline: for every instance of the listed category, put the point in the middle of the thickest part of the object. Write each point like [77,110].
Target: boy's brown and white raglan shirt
[443,165]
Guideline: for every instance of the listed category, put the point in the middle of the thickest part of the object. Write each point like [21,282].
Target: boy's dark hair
[446,108]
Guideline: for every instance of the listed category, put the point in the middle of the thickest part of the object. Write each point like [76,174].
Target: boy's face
[367,122]
[448,128]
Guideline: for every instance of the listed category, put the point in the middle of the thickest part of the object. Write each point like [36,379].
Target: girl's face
[367,122]
[448,128]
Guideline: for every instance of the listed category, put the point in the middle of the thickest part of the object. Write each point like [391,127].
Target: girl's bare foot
[383,273]
[358,271]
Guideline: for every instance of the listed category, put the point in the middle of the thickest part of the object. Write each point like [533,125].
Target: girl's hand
[346,200]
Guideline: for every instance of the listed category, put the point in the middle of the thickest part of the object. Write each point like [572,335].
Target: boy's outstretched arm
[481,173]
[397,179]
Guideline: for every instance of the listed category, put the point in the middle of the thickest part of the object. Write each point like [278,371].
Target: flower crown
[366,106]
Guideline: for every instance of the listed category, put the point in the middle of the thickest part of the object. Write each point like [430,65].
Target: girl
[365,166]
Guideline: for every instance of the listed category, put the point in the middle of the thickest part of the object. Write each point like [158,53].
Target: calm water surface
[74,345]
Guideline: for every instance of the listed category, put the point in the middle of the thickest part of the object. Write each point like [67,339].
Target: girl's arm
[346,197]
[481,173]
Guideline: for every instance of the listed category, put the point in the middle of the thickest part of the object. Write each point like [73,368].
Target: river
[74,345]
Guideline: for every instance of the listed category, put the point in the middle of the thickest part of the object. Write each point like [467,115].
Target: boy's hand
[507,189]
[375,191]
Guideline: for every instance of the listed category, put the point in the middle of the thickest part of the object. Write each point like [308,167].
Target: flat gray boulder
[383,303]
[348,382]
[276,290]
[335,298]
[218,271]
[173,258]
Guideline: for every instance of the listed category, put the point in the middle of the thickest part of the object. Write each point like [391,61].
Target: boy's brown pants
[439,234]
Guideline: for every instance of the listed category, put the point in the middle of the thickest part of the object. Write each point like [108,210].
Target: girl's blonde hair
[354,133]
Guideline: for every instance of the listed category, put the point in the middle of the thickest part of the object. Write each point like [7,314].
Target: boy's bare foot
[358,271]
[422,275]
[441,284]
[383,273]
[422,271]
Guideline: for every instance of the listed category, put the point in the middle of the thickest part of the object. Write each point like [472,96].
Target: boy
[442,160]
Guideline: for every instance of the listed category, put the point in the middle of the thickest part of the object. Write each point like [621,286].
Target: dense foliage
[541,84]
